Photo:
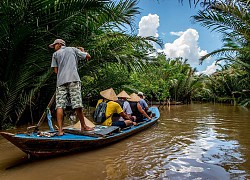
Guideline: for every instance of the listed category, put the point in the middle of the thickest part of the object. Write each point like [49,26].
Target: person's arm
[145,104]
[55,70]
[128,109]
[88,57]
[82,54]
[124,115]
[142,111]
[54,64]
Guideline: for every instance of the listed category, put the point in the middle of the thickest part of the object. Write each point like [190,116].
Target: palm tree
[231,18]
[26,29]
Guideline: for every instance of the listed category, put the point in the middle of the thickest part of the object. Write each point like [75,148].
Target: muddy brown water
[198,141]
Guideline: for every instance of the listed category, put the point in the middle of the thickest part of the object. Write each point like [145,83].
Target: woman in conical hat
[123,94]
[137,110]
[122,100]
[109,94]
[112,108]
[134,98]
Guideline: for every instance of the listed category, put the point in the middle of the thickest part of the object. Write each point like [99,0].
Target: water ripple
[189,142]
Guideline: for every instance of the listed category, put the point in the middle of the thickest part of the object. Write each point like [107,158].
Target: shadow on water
[25,160]
[189,142]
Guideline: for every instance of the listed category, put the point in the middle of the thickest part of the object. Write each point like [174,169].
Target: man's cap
[109,94]
[134,98]
[140,93]
[57,41]
[123,94]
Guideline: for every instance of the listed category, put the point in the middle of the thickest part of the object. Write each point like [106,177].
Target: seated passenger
[122,100]
[109,96]
[137,110]
[143,103]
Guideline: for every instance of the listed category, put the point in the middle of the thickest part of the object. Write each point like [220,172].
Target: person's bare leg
[80,116]
[129,123]
[59,115]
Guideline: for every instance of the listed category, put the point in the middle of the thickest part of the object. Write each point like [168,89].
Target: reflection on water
[189,142]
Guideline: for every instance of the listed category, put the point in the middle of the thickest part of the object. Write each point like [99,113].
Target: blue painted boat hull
[50,146]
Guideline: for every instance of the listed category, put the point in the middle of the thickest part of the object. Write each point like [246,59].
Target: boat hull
[69,143]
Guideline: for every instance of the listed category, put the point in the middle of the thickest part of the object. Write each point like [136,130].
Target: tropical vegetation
[231,19]
[26,29]
[120,58]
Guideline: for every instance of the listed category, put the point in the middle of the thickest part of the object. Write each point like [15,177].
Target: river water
[198,141]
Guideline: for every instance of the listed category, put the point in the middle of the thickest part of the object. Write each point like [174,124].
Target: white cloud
[148,26]
[185,46]
[210,69]
[176,33]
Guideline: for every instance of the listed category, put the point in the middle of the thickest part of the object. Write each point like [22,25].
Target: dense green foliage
[120,58]
[230,84]
[231,18]
[167,79]
[28,27]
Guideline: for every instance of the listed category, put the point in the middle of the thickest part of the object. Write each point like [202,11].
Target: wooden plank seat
[99,131]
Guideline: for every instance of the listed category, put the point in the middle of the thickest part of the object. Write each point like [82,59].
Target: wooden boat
[40,145]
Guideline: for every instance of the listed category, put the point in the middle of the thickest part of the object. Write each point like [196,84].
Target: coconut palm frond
[27,27]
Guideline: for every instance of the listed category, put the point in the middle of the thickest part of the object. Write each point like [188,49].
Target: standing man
[65,61]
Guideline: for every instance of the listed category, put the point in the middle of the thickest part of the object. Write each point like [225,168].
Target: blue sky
[171,21]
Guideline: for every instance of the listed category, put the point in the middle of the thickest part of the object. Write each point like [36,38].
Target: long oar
[87,122]
[43,115]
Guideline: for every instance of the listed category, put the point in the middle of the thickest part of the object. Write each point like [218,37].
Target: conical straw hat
[123,94]
[109,94]
[134,97]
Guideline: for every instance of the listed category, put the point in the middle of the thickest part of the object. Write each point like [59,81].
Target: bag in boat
[115,115]
[99,115]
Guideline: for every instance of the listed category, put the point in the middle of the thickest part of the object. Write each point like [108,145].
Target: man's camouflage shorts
[69,94]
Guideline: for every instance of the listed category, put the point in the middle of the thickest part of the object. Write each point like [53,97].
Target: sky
[182,37]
